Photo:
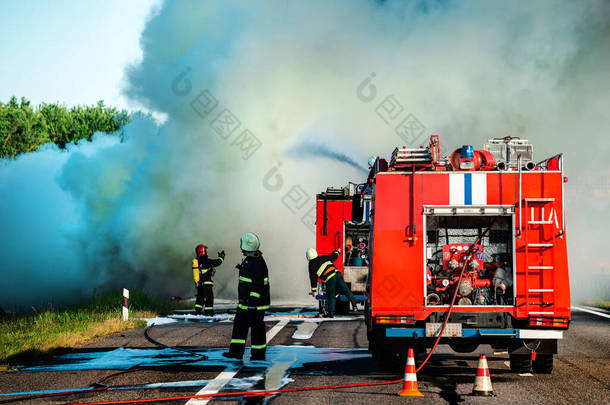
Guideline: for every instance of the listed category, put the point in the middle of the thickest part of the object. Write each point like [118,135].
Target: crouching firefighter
[203,271]
[254,300]
[322,267]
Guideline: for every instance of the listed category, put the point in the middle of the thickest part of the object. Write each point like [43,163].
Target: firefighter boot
[232,355]
[354,305]
[329,315]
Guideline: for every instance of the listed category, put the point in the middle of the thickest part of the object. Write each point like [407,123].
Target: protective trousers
[334,286]
[245,319]
[205,299]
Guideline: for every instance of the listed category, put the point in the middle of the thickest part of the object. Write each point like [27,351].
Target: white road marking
[275,330]
[507,364]
[225,376]
[526,374]
[216,384]
[305,330]
[274,375]
[591,311]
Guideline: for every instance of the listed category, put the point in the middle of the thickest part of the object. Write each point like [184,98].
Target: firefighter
[254,300]
[203,271]
[322,267]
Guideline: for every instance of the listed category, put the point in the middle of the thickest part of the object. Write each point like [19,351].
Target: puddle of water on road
[124,358]
[190,318]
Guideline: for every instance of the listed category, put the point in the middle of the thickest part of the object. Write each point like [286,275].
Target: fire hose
[440,333]
[95,387]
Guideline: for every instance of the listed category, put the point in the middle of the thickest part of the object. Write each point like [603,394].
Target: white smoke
[130,213]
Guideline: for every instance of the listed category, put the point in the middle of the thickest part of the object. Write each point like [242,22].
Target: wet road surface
[304,352]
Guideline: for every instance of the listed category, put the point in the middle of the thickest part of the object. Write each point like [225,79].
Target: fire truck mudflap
[426,214]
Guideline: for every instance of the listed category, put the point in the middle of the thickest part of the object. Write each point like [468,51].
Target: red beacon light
[468,159]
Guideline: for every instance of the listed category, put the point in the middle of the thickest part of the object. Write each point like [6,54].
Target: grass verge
[602,304]
[26,338]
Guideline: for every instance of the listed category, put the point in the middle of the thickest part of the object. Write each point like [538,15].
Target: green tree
[24,129]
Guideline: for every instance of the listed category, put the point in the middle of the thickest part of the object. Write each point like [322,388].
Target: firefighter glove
[221,254]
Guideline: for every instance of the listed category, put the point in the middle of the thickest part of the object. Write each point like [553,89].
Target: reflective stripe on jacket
[322,267]
[253,287]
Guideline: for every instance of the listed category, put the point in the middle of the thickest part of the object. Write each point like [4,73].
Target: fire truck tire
[342,307]
[543,364]
[520,363]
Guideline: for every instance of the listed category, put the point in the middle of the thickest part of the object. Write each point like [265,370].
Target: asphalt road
[334,354]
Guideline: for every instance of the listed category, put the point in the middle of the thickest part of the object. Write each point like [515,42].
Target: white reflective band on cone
[410,377]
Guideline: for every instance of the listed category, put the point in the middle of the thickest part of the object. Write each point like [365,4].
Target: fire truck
[471,247]
[336,228]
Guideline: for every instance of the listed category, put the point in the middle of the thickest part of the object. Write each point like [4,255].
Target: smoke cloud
[309,149]
[241,83]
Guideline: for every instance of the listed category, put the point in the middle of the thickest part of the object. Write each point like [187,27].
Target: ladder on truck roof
[539,238]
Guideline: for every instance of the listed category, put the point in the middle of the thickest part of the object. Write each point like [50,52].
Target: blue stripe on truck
[467,189]
[466,333]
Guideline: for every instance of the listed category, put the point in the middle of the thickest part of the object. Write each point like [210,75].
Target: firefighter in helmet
[203,271]
[254,300]
[322,267]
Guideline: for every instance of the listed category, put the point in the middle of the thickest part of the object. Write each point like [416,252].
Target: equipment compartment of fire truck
[488,274]
[472,244]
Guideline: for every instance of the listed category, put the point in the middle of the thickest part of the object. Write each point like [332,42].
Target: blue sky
[69,51]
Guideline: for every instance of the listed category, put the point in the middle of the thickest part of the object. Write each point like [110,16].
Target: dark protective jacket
[253,289]
[203,269]
[322,267]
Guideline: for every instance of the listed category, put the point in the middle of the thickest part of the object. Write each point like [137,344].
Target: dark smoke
[307,149]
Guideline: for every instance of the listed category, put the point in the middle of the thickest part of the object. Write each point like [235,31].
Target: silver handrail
[539,164]
[520,210]
[563,211]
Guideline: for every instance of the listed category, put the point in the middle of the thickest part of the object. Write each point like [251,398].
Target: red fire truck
[336,229]
[472,245]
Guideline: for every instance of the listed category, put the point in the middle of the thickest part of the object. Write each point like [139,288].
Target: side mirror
[357,208]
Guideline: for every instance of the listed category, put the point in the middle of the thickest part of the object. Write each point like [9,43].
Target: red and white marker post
[125,304]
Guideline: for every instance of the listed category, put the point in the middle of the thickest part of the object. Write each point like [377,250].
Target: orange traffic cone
[482,382]
[409,384]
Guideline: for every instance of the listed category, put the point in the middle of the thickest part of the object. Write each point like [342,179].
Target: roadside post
[125,304]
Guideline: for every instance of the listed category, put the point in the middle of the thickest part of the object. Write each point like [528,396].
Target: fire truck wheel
[342,307]
[520,363]
[543,364]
